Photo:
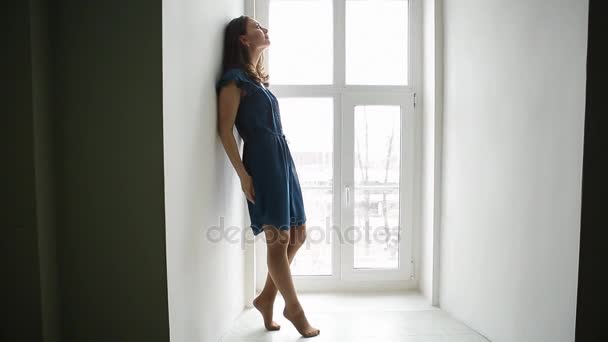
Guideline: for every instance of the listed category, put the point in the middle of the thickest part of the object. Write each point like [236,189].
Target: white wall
[205,278]
[432,101]
[514,114]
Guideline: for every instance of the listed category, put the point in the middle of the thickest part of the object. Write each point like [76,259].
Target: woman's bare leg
[264,302]
[278,266]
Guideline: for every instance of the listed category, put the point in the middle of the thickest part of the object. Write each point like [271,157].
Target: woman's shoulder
[236,74]
[234,70]
[240,72]
[233,73]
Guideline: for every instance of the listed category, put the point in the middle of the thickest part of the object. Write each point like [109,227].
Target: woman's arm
[228,105]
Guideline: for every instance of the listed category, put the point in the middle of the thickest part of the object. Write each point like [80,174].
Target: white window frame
[345,97]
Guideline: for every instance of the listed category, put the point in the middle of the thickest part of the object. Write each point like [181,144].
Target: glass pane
[377,42]
[301,42]
[308,127]
[376,189]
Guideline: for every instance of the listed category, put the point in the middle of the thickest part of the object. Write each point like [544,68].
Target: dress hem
[257,227]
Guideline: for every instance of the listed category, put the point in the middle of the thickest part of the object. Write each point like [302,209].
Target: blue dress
[266,156]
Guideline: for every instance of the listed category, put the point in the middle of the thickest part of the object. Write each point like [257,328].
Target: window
[343,75]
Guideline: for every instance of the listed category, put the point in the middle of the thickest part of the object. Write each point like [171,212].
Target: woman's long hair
[236,55]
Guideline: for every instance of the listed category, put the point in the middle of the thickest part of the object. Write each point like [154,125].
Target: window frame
[341,92]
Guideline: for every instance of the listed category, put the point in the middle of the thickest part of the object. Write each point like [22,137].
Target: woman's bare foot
[264,306]
[296,315]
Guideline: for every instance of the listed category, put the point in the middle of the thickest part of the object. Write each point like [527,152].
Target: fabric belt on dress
[275,133]
[281,135]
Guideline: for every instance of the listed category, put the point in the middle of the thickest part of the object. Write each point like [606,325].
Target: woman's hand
[247,186]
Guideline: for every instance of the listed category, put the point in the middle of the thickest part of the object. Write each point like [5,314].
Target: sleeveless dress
[266,156]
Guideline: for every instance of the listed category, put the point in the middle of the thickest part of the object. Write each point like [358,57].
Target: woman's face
[256,37]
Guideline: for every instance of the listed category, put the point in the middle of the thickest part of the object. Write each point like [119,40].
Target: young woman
[267,171]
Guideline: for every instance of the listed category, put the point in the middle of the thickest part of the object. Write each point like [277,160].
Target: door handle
[347,195]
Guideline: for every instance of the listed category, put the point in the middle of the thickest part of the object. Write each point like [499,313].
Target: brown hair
[236,55]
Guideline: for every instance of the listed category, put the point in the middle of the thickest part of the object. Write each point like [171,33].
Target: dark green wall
[44,163]
[84,234]
[30,295]
[107,62]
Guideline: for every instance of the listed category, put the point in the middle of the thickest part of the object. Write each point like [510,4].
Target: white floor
[358,317]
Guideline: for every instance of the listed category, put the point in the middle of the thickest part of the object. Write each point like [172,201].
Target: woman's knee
[276,239]
[298,235]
